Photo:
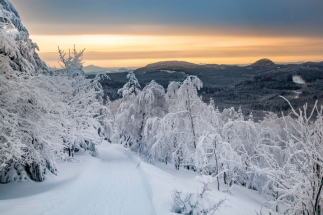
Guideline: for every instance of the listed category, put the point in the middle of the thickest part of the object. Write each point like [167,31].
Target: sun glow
[139,50]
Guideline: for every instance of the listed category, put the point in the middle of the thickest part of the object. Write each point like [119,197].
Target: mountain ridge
[92,69]
[254,89]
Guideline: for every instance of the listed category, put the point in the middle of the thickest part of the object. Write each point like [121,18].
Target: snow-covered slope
[164,180]
[109,185]
[116,183]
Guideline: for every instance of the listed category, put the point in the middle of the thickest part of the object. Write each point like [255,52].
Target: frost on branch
[298,181]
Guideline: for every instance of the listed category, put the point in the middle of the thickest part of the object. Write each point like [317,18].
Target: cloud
[169,17]
[141,31]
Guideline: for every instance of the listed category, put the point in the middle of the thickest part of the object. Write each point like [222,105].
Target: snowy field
[115,184]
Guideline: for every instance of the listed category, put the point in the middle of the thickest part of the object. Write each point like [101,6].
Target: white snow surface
[298,79]
[117,183]
[164,179]
[109,185]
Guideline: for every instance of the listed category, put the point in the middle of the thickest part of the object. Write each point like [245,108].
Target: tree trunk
[217,166]
[191,118]
[35,171]
[317,206]
[225,178]
[128,143]
[140,132]
[179,160]
[276,199]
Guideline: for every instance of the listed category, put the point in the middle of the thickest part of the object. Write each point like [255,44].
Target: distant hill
[212,75]
[94,69]
[91,69]
[167,65]
[191,68]
[263,62]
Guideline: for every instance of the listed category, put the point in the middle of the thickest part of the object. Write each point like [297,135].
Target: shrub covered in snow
[196,204]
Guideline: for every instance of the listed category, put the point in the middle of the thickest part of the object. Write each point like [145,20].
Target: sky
[124,33]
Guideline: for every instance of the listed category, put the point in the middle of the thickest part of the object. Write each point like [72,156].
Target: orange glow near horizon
[139,50]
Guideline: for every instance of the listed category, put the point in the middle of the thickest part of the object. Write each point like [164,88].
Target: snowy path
[113,185]
[109,185]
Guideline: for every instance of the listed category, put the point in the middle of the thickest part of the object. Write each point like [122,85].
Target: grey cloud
[288,17]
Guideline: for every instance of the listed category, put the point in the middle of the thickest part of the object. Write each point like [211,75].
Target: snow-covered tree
[86,116]
[31,122]
[243,137]
[126,123]
[174,137]
[41,111]
[150,103]
[298,181]
[132,87]
[17,50]
[28,116]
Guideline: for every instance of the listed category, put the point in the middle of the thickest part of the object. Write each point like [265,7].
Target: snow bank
[164,179]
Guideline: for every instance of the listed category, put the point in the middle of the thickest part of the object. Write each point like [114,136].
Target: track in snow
[109,185]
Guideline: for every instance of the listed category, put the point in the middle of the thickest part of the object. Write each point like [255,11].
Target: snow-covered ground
[298,79]
[164,179]
[116,183]
[109,185]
